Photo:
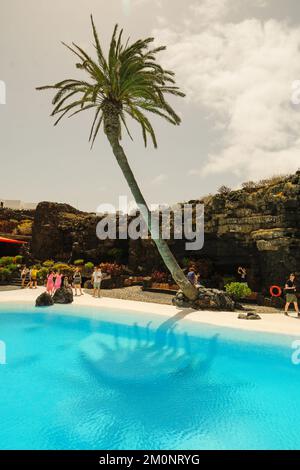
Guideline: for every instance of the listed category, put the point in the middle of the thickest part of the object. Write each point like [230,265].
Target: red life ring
[277,289]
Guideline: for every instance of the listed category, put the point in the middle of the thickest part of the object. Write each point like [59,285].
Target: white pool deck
[271,323]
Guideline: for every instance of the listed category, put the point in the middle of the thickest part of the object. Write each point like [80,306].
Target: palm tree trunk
[112,131]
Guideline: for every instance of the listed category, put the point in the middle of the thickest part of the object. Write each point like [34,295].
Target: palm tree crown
[130,80]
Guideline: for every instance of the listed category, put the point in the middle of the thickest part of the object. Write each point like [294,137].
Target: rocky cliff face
[16,222]
[63,233]
[258,227]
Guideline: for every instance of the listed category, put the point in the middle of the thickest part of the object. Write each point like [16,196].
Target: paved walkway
[270,322]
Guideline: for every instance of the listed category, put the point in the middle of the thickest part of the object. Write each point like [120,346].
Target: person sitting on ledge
[191,276]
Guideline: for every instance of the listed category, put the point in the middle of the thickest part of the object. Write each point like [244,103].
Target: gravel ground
[135,293]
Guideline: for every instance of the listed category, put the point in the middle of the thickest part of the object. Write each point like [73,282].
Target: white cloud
[240,75]
[157,3]
[210,10]
[159,179]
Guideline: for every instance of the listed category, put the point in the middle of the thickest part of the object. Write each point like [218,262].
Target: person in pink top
[57,283]
[50,283]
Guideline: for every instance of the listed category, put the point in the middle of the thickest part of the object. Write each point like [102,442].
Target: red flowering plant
[159,276]
[113,269]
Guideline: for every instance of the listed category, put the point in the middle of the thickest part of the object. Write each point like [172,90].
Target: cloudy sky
[235,59]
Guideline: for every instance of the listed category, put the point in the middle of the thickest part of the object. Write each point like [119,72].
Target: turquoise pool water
[131,382]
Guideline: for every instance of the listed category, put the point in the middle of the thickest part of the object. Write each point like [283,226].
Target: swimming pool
[130,381]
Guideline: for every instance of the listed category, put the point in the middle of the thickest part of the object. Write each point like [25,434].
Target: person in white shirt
[97,278]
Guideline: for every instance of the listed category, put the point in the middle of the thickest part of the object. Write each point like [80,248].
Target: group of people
[290,290]
[194,276]
[290,286]
[29,277]
[56,280]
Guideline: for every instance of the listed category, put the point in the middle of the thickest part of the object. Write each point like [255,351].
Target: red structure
[10,246]
[11,240]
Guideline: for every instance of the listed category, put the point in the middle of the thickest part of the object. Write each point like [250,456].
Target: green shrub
[5,274]
[89,265]
[25,227]
[79,262]
[64,268]
[18,259]
[12,267]
[228,280]
[48,263]
[42,274]
[238,290]
[5,260]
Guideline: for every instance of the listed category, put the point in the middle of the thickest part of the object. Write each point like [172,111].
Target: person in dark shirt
[291,294]
[77,280]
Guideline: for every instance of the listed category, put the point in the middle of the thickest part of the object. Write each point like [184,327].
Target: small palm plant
[128,83]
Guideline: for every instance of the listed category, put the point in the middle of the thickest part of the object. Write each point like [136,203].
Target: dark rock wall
[15,224]
[63,233]
[257,227]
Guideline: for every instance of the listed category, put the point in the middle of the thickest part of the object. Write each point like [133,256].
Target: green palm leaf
[130,78]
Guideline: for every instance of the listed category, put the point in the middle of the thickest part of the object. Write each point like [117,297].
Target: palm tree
[128,83]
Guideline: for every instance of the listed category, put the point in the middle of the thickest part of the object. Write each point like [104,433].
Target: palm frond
[97,129]
[130,79]
[101,58]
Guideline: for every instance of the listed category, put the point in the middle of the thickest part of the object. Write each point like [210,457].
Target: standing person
[243,274]
[291,297]
[97,278]
[57,283]
[77,280]
[191,276]
[24,273]
[50,283]
[33,278]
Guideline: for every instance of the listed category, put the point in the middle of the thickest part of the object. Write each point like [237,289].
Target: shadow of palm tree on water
[142,354]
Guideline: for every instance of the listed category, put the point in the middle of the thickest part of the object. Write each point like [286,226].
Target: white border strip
[270,323]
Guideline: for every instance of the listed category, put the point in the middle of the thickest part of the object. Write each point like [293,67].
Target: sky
[236,60]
